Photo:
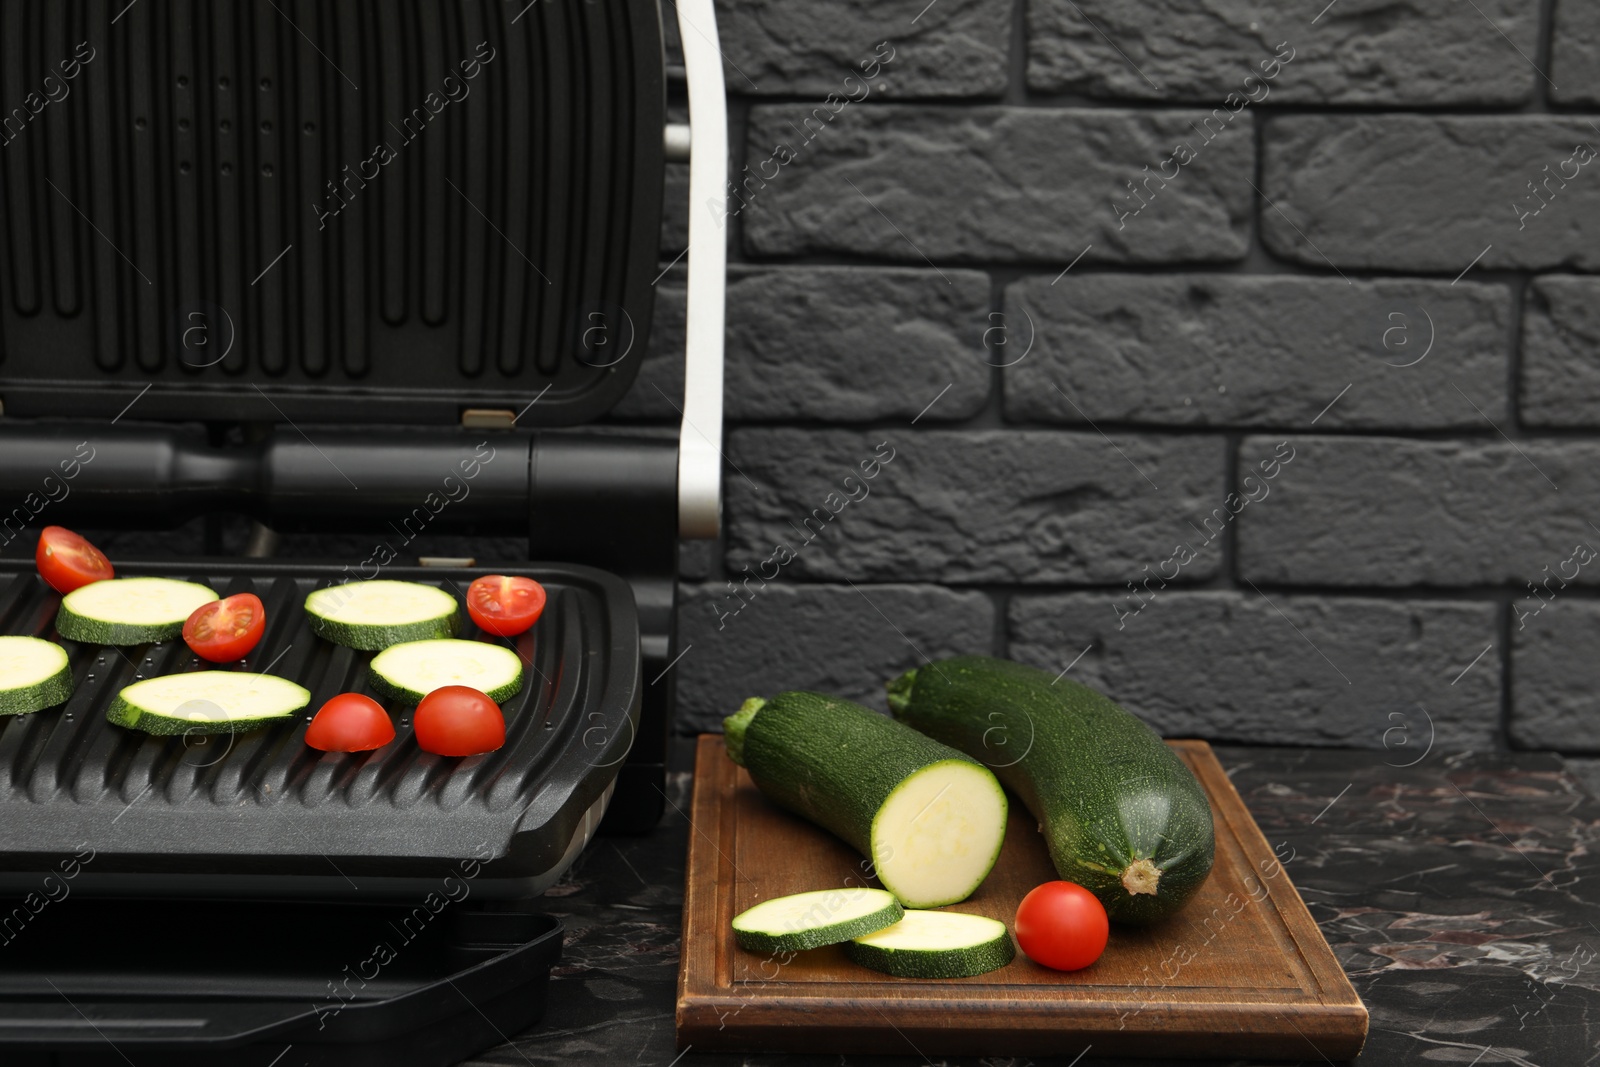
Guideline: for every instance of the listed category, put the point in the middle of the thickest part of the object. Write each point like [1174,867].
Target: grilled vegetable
[930,819]
[458,720]
[810,920]
[505,606]
[935,944]
[226,630]
[129,611]
[1122,816]
[66,561]
[207,702]
[34,675]
[350,722]
[374,615]
[412,670]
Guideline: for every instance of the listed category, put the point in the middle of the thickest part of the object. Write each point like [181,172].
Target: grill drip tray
[264,815]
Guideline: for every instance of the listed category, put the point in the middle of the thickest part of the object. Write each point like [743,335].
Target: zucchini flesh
[810,920]
[1121,814]
[935,944]
[412,670]
[130,611]
[929,818]
[374,615]
[207,702]
[34,675]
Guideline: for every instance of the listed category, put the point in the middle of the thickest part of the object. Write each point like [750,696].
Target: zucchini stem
[734,726]
[1141,876]
[900,692]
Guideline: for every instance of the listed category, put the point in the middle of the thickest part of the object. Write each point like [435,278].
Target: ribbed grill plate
[265,802]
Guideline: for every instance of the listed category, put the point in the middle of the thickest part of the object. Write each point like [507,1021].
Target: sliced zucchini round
[412,670]
[935,944]
[34,675]
[375,615]
[129,611]
[207,702]
[810,920]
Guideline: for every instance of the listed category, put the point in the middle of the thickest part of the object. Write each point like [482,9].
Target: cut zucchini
[929,818]
[935,944]
[375,615]
[811,920]
[207,702]
[412,670]
[34,675]
[129,611]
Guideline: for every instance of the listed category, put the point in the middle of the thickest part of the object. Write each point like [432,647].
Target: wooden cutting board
[1241,971]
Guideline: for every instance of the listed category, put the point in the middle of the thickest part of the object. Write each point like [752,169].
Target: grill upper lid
[356,211]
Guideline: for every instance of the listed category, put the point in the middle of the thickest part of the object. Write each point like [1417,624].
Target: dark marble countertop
[1460,895]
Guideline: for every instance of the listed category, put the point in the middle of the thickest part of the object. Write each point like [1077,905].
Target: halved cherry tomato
[505,606]
[1062,925]
[457,720]
[225,630]
[350,722]
[69,562]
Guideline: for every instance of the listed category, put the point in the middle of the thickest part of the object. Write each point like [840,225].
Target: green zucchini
[1121,814]
[374,615]
[207,702]
[129,611]
[410,671]
[935,944]
[930,819]
[810,920]
[34,675]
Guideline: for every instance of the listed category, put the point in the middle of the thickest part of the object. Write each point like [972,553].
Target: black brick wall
[1267,435]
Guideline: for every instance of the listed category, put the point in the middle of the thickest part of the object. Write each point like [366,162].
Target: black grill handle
[602,499]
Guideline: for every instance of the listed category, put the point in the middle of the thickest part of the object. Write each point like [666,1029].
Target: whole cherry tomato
[1062,925]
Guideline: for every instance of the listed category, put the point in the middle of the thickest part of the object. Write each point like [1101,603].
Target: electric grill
[312,263]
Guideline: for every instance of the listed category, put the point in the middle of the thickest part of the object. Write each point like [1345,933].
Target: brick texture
[1323,336]
[1560,338]
[1427,193]
[1396,512]
[1427,53]
[1210,349]
[778,47]
[1575,53]
[839,343]
[913,184]
[759,640]
[1555,646]
[970,506]
[1295,670]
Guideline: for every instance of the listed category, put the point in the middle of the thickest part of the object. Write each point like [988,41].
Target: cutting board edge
[1334,1035]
